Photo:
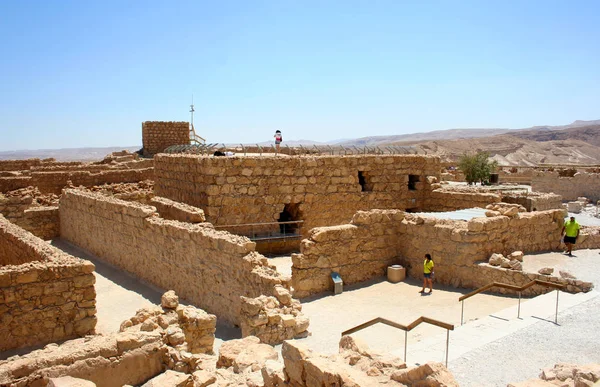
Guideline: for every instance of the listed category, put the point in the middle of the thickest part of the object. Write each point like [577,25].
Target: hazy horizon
[87,74]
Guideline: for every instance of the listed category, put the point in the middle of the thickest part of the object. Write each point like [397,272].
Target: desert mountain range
[576,143]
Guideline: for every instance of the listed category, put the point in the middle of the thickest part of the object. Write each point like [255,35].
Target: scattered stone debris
[565,375]
[546,271]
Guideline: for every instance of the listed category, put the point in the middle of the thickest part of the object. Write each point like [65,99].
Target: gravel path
[522,355]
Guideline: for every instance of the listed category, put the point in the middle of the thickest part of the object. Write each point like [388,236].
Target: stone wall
[41,221]
[20,165]
[54,182]
[534,201]
[115,359]
[45,295]
[168,209]
[375,239]
[159,135]
[321,190]
[448,199]
[520,177]
[570,188]
[211,269]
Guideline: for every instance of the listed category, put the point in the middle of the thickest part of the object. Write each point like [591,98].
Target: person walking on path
[427,273]
[571,231]
[278,139]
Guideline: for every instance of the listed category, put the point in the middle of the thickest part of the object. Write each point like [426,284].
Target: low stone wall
[589,238]
[168,209]
[45,295]
[520,177]
[159,135]
[109,360]
[42,222]
[375,239]
[570,188]
[448,199]
[211,269]
[54,182]
[533,201]
[20,165]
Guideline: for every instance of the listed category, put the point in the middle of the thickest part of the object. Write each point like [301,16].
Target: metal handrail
[406,329]
[516,288]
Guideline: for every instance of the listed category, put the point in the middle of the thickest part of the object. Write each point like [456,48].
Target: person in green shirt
[571,231]
[427,273]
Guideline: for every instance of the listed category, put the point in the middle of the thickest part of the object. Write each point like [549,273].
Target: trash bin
[396,273]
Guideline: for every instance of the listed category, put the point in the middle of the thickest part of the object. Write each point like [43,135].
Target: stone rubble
[565,375]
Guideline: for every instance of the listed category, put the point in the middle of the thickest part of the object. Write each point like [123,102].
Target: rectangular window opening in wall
[363,181]
[412,182]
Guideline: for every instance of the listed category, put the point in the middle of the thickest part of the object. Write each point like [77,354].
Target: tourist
[427,273]
[278,139]
[571,231]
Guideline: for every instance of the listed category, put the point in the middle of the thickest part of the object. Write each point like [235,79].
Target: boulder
[169,300]
[170,379]
[518,255]
[430,374]
[546,270]
[496,259]
[203,378]
[516,265]
[272,373]
[505,263]
[69,381]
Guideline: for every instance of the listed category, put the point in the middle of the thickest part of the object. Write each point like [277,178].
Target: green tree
[477,167]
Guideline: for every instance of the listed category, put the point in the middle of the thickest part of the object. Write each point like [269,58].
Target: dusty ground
[401,302]
[119,295]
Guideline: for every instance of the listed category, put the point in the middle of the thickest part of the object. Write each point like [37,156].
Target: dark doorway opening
[291,212]
[412,182]
[363,181]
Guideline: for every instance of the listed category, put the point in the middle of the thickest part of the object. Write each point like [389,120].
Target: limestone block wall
[45,294]
[169,209]
[321,190]
[519,177]
[54,182]
[570,188]
[20,165]
[211,269]
[534,201]
[443,199]
[374,239]
[159,135]
[109,360]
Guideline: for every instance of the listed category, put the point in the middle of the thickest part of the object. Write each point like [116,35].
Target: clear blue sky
[84,73]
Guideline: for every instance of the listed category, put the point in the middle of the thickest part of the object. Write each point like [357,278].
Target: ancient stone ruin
[199,228]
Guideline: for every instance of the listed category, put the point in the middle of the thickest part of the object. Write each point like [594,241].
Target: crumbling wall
[54,182]
[168,209]
[449,199]
[45,295]
[211,269]
[41,221]
[321,190]
[109,360]
[570,188]
[533,201]
[374,239]
[159,135]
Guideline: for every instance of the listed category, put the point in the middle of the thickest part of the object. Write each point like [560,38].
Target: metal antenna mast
[192,110]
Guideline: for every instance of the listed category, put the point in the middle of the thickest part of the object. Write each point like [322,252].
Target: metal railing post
[519,309]
[447,345]
[556,313]
[405,344]
[462,312]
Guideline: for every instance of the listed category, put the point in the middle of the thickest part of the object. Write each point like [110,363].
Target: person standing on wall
[427,273]
[571,231]
[278,139]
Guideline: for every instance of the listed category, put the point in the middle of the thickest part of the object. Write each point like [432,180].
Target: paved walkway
[499,349]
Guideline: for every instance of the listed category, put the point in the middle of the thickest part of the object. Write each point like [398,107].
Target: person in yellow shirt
[571,231]
[427,273]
